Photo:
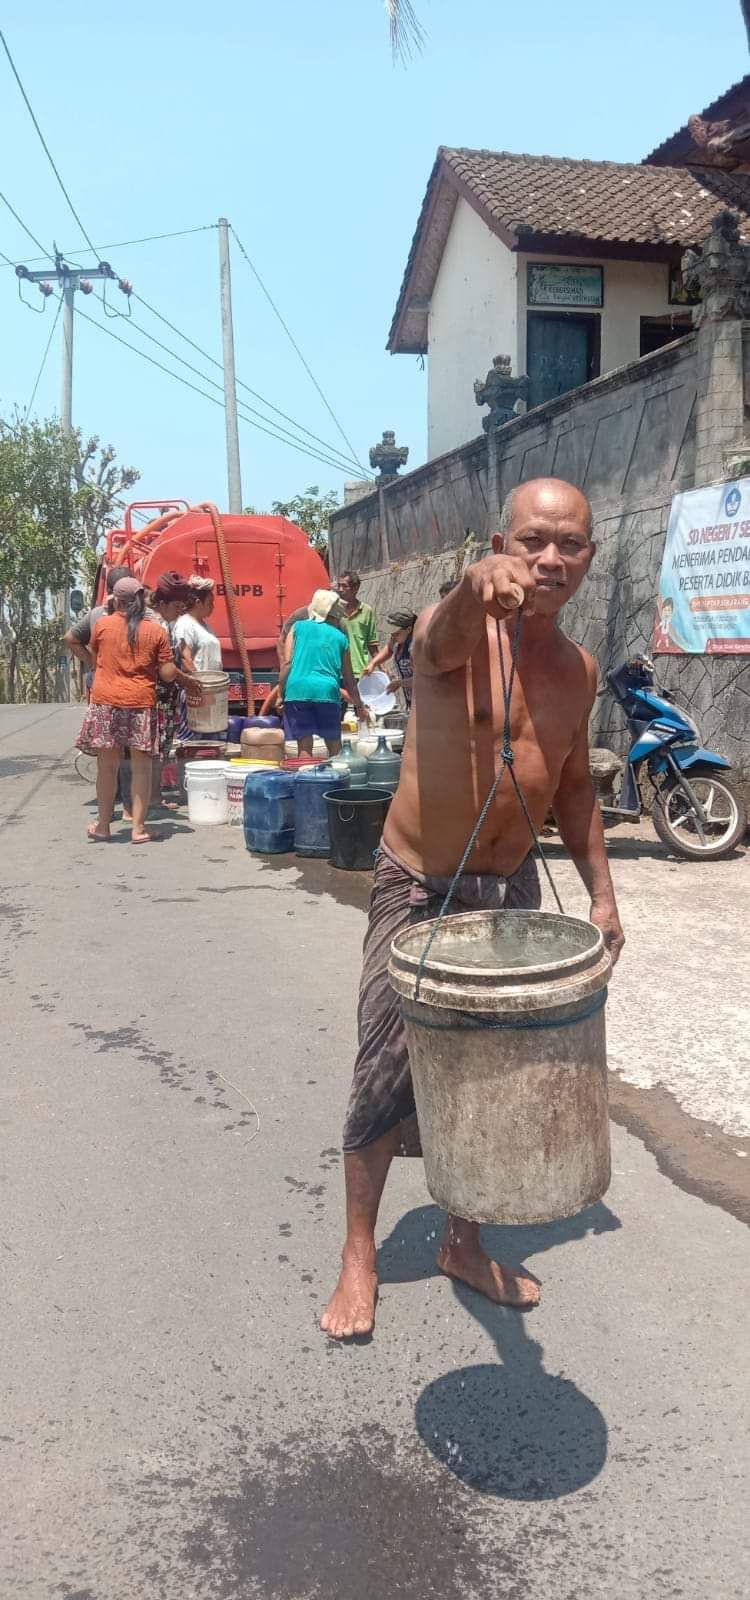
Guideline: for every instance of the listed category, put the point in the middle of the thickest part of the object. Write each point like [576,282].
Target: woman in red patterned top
[131,654]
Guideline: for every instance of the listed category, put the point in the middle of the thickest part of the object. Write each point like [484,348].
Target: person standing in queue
[168,601]
[398,647]
[540,558]
[359,622]
[78,637]
[199,647]
[131,652]
[317,665]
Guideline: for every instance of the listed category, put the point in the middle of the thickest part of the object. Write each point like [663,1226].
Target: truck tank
[273,571]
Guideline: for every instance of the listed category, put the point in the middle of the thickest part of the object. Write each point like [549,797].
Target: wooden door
[559,355]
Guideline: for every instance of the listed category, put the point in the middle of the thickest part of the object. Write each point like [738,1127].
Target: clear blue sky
[292,121]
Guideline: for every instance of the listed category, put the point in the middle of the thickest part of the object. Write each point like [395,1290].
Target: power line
[44,144]
[44,357]
[124,244]
[46,256]
[352,464]
[347,465]
[295,346]
[343,465]
[314,455]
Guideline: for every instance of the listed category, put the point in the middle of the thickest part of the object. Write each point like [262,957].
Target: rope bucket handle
[506,765]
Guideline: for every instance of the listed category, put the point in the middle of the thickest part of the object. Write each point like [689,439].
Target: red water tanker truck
[263,568]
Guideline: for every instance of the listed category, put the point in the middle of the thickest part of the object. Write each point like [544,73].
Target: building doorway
[562,352]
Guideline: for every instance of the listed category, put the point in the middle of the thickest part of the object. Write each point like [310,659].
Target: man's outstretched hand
[604,916]
[501,584]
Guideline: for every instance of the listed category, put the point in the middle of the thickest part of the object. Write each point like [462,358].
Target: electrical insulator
[45,288]
[22,272]
[125,285]
[85,287]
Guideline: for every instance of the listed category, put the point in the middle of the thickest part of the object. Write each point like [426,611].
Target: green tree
[311,511]
[101,484]
[41,541]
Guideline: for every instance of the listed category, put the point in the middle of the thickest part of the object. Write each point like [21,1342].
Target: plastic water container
[267,743]
[212,715]
[356,818]
[384,766]
[234,777]
[268,811]
[206,787]
[504,1017]
[350,760]
[311,832]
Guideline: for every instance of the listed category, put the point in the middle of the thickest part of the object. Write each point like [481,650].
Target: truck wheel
[676,823]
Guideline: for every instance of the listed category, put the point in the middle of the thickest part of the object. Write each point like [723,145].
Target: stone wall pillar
[506,397]
[722,274]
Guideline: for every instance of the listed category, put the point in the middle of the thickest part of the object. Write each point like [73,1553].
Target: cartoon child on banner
[663,642]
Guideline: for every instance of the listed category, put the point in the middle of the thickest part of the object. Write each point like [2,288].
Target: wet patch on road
[319,877]
[350,1521]
[173,1073]
[697,1156]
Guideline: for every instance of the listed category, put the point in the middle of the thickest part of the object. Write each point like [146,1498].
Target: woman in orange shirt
[131,653]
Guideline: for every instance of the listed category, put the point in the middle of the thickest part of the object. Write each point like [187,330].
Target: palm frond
[407,33]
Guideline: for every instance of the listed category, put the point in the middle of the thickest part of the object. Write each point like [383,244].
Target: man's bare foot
[472,1265]
[127,816]
[351,1308]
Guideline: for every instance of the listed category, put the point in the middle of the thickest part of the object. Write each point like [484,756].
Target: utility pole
[69,279]
[66,385]
[234,480]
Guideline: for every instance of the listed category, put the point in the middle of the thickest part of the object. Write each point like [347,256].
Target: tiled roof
[599,199]
[551,202]
[679,147]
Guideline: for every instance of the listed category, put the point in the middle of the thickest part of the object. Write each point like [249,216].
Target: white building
[571,268]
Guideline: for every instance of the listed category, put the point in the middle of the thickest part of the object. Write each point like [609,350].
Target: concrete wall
[631,440]
[472,316]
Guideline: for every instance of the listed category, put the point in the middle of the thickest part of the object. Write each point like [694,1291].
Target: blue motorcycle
[695,812]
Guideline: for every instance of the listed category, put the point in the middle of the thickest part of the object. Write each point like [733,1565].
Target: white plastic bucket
[206,793]
[234,777]
[212,715]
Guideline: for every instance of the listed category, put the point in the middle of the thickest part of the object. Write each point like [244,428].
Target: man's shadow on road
[511,1430]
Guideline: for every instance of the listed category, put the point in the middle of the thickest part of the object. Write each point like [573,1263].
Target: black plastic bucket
[355,819]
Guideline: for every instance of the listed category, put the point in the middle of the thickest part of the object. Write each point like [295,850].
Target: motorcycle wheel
[675,821]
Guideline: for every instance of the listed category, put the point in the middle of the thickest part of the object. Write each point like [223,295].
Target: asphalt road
[178,1023]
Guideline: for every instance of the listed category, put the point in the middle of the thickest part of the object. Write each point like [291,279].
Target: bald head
[548,497]
[547,523]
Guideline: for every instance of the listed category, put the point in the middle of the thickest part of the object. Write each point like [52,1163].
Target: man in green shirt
[359,621]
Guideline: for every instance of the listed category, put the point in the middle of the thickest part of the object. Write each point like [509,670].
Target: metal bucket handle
[341,816]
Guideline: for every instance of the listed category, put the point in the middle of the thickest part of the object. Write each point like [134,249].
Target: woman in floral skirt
[132,654]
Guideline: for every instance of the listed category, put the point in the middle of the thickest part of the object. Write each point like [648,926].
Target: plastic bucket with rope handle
[504,1019]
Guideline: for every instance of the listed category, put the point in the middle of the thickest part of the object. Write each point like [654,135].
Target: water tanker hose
[231,599]
[156,525]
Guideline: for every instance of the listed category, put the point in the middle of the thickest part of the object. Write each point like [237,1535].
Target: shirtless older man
[541,556]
